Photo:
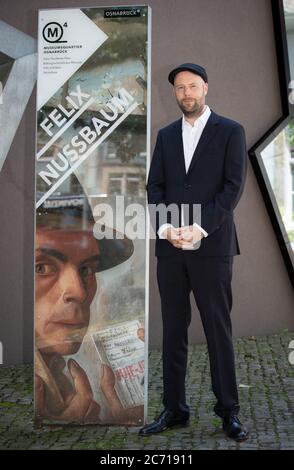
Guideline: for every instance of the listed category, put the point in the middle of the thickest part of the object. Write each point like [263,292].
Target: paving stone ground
[266,387]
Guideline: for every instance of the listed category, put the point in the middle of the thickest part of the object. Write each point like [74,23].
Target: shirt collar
[203,118]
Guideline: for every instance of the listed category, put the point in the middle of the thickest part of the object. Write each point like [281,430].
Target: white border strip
[147,233]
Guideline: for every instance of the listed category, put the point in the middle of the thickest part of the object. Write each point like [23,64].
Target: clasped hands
[184,238]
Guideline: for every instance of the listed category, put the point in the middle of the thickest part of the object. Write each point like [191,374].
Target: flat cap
[74,212]
[194,68]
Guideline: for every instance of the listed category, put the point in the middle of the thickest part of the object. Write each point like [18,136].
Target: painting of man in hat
[67,260]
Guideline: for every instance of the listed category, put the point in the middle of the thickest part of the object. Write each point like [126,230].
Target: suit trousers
[209,278]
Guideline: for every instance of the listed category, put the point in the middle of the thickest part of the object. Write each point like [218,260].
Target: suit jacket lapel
[178,143]
[207,134]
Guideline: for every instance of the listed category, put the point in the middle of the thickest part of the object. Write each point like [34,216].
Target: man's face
[190,91]
[66,262]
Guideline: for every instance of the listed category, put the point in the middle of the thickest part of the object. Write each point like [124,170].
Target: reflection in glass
[289,20]
[278,159]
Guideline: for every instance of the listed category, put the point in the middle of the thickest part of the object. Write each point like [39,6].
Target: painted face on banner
[66,262]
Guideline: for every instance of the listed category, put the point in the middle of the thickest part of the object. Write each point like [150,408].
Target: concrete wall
[234,40]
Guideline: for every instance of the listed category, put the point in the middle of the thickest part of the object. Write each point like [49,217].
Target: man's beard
[193,111]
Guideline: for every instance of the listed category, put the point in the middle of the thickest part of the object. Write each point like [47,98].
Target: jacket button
[187,186]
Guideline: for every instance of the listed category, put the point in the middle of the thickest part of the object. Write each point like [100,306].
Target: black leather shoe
[234,429]
[167,419]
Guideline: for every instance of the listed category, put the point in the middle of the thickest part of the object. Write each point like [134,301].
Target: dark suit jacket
[215,179]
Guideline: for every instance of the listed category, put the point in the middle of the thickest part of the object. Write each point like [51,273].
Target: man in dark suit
[199,159]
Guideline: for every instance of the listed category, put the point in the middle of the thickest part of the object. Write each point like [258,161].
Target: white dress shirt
[191,135]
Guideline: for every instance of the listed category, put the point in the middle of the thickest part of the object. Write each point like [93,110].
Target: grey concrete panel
[15,43]
[15,96]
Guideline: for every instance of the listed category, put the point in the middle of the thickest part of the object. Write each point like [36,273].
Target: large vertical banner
[90,244]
